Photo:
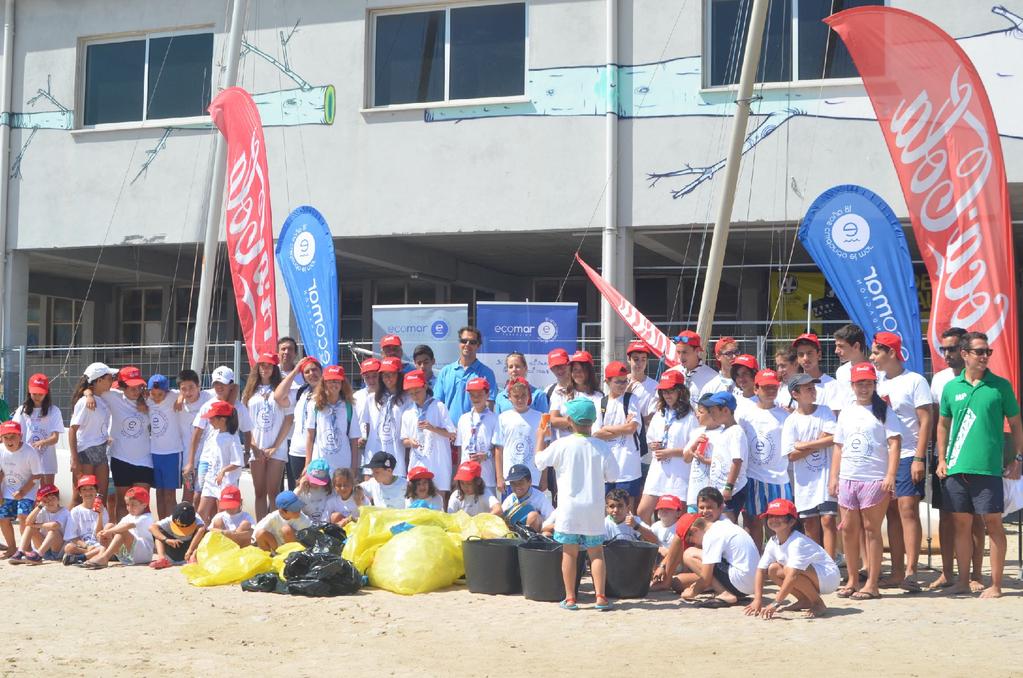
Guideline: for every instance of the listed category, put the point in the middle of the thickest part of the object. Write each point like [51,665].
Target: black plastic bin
[540,567]
[492,565]
[629,566]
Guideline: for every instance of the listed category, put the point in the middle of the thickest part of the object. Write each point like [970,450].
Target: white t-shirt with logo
[801,553]
[724,541]
[60,516]
[36,427]
[274,523]
[93,425]
[334,434]
[811,473]
[18,468]
[434,451]
[472,504]
[383,424]
[768,462]
[267,419]
[142,549]
[475,435]
[221,451]
[670,476]
[388,496]
[165,426]
[905,393]
[244,424]
[582,464]
[726,446]
[129,430]
[699,473]
[346,507]
[232,522]
[864,442]
[624,447]
[516,436]
[81,524]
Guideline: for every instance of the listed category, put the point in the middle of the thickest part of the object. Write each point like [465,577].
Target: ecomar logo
[547,330]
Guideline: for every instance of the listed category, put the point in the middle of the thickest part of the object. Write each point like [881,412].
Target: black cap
[519,472]
[383,460]
[184,514]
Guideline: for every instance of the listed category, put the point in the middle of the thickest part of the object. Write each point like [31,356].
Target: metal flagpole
[216,201]
[750,62]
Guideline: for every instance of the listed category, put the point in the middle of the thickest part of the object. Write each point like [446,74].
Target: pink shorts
[860,494]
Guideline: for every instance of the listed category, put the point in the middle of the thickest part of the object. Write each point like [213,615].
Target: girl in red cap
[85,521]
[476,429]
[332,431]
[618,423]
[421,491]
[300,400]
[270,426]
[584,385]
[470,494]
[381,418]
[41,425]
[867,446]
[669,431]
[793,561]
[129,541]
[224,454]
[428,432]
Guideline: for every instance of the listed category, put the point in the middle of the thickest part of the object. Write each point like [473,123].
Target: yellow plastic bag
[221,561]
[484,526]
[373,530]
[425,558]
[282,554]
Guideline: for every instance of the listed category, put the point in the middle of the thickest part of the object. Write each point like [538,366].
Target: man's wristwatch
[1019,457]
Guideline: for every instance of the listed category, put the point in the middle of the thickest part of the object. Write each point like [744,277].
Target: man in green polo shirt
[974,407]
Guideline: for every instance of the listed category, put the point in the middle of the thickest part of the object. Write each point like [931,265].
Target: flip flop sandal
[568,604]
[714,604]
[845,592]
[160,563]
[603,606]
[17,558]
[864,595]
[88,565]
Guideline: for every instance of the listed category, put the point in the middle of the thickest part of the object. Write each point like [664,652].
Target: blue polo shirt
[538,402]
[450,386]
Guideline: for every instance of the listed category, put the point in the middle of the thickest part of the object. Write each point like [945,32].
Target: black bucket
[629,566]
[540,567]
[492,565]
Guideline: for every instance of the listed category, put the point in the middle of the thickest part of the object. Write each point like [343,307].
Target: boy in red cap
[43,535]
[618,421]
[795,563]
[669,509]
[807,348]
[515,438]
[19,476]
[427,431]
[84,522]
[381,417]
[130,541]
[475,432]
[726,350]
[232,521]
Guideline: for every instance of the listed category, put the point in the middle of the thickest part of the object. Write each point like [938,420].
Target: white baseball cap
[97,370]
[223,375]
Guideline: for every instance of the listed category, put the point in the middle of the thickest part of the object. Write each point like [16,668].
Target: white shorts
[140,554]
[48,461]
[829,578]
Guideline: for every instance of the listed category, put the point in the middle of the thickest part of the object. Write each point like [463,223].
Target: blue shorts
[633,487]
[904,485]
[587,541]
[167,471]
[826,508]
[12,508]
[760,494]
[738,501]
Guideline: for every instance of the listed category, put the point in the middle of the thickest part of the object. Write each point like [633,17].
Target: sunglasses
[949,349]
[730,354]
[471,342]
[620,382]
[980,351]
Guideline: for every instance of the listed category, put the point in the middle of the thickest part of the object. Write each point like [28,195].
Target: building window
[222,320]
[142,316]
[152,77]
[51,321]
[450,54]
[34,321]
[797,44]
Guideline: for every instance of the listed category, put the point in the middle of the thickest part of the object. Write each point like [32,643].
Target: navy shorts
[904,485]
[738,501]
[167,471]
[936,485]
[126,475]
[633,487]
[721,575]
[826,508]
[973,493]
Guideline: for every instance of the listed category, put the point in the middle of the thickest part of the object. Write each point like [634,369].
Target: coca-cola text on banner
[249,230]
[940,131]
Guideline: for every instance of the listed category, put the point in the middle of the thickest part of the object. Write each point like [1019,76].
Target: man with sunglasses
[970,441]
[452,379]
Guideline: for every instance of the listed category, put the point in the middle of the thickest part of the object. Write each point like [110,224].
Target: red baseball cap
[420,473]
[390,340]
[780,507]
[369,365]
[683,526]
[477,384]
[863,372]
[334,373]
[414,379]
[719,346]
[390,364]
[139,494]
[746,360]
[9,427]
[468,471]
[669,501]
[131,376]
[767,377]
[304,363]
[39,383]
[270,358]
[807,336]
[46,491]
[219,408]
[689,338]
[890,340]
[515,382]
[85,481]
[670,380]
[230,497]
[614,369]
[581,357]
[637,346]
[558,356]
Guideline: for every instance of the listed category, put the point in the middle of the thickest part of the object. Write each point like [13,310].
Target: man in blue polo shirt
[450,385]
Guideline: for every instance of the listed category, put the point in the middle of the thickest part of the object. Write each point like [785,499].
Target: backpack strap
[348,410]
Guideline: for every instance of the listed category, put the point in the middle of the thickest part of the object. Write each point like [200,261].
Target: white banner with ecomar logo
[531,328]
[435,325]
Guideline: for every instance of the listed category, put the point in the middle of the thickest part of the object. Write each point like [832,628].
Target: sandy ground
[64,620]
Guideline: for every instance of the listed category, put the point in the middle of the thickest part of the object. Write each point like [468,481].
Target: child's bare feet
[940,583]
[992,592]
[817,611]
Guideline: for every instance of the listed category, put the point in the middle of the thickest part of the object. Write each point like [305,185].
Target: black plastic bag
[322,539]
[267,582]
[320,574]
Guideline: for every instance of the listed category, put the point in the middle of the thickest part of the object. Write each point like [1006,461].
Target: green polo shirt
[978,414]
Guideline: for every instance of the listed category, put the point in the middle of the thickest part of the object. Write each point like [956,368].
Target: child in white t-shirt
[515,437]
[224,454]
[621,522]
[669,509]
[476,429]
[470,494]
[43,536]
[19,475]
[796,563]
[726,562]
[283,525]
[41,425]
[130,541]
[177,536]
[421,491]
[232,521]
[314,490]
[729,453]
[697,454]
[342,506]
[427,431]
[384,489]
[617,423]
[84,522]
[524,505]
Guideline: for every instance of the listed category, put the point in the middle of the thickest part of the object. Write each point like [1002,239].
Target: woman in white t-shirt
[299,400]
[332,431]
[867,446]
[667,435]
[270,426]
[41,425]
[793,561]
[90,428]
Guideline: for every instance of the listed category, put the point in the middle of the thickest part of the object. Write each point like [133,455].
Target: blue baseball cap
[581,411]
[159,381]
[724,399]
[288,501]
[519,472]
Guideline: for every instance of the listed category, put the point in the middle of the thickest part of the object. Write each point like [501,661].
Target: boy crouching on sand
[281,526]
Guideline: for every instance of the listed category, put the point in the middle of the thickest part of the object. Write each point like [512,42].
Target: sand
[64,620]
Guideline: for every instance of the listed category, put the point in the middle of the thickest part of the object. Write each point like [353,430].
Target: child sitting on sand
[526,505]
[177,536]
[281,526]
[84,522]
[314,491]
[342,506]
[621,522]
[130,541]
[421,491]
[669,509]
[232,522]
[384,488]
[43,536]
[470,494]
